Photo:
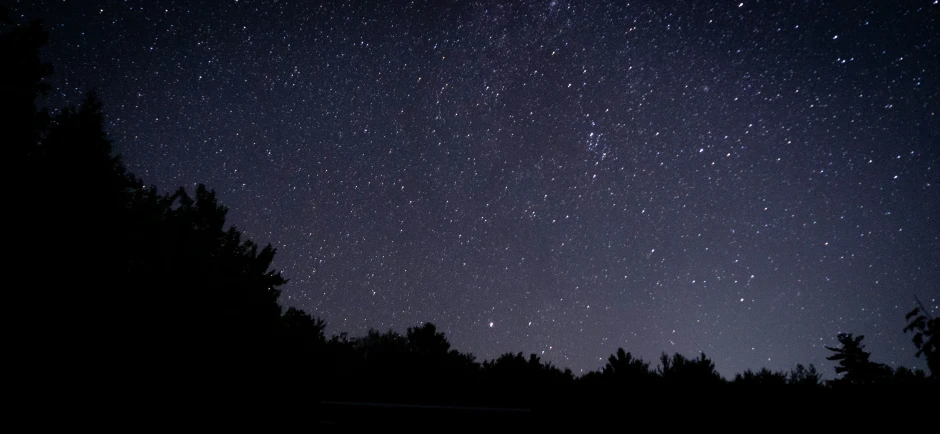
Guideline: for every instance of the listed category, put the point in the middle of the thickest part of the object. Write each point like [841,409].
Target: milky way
[554,177]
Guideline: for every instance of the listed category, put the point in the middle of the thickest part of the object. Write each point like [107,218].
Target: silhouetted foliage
[805,377]
[511,368]
[518,379]
[679,370]
[425,339]
[376,344]
[925,329]
[301,332]
[139,277]
[155,285]
[763,377]
[908,377]
[854,362]
[623,368]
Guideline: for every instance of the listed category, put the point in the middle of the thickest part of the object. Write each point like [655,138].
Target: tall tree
[129,277]
[854,361]
[925,328]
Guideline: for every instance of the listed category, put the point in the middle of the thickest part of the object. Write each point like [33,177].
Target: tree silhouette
[301,333]
[65,200]
[384,357]
[908,377]
[228,273]
[434,359]
[157,287]
[425,339]
[925,328]
[804,377]
[854,361]
[763,377]
[623,368]
[682,371]
[523,381]
[140,279]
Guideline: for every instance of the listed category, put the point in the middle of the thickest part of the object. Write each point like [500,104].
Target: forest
[139,288]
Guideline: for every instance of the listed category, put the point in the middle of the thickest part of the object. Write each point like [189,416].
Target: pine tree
[854,361]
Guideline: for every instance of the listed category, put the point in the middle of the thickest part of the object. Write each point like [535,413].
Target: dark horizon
[555,177]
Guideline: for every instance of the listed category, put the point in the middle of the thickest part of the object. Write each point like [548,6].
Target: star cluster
[555,177]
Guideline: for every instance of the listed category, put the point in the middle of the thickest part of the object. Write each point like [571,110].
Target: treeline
[134,287]
[390,366]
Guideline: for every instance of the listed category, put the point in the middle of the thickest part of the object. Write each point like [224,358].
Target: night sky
[564,178]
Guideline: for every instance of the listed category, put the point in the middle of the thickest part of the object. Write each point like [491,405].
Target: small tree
[804,376]
[682,371]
